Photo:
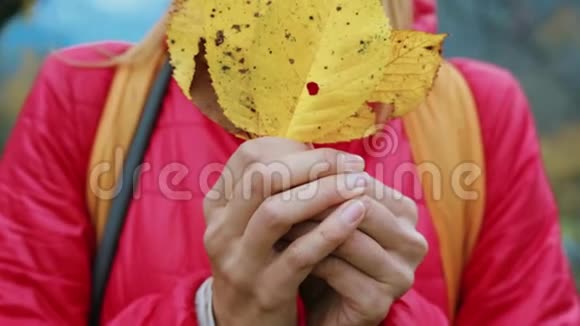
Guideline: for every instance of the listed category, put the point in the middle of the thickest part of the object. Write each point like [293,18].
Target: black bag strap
[120,204]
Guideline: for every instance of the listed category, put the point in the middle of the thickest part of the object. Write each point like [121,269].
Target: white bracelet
[203,304]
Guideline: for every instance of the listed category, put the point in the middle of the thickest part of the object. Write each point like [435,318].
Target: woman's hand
[376,265]
[251,207]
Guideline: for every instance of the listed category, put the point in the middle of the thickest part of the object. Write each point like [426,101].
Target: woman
[365,263]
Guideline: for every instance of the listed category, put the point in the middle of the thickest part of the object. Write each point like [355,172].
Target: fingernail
[351,163]
[357,180]
[353,212]
[356,192]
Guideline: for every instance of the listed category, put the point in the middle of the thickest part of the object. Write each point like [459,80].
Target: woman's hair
[399,11]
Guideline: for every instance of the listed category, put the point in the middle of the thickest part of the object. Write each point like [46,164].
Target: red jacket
[518,274]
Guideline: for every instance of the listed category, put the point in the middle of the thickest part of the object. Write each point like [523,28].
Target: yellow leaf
[184,33]
[409,75]
[295,69]
[360,124]
[410,71]
[302,69]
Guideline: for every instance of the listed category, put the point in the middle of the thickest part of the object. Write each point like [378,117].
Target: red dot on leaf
[313,88]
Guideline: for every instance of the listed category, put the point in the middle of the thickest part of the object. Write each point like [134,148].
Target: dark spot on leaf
[291,61]
[244,71]
[237,28]
[219,38]
[429,48]
[248,103]
[339,8]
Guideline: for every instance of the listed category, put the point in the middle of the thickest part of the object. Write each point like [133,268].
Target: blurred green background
[539,40]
